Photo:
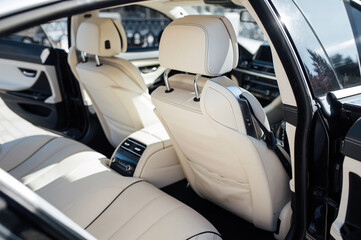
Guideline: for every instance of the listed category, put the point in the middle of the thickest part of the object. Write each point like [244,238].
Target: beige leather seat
[221,161]
[115,85]
[72,178]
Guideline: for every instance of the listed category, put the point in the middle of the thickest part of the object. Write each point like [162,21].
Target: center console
[126,157]
[148,154]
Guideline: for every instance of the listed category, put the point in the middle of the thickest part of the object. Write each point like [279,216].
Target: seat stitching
[198,234]
[113,202]
[159,196]
[146,230]
[58,150]
[121,66]
[64,175]
[50,167]
[47,142]
[12,149]
[217,174]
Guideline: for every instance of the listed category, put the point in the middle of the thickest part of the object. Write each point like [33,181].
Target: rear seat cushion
[71,177]
[26,155]
[13,153]
[142,211]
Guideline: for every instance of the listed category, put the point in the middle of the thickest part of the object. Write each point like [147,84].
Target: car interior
[191,126]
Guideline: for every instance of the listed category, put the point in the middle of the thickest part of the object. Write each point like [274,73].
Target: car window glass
[354,13]
[52,34]
[336,36]
[34,35]
[143,26]
[57,33]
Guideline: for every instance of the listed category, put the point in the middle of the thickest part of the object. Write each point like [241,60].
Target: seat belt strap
[271,142]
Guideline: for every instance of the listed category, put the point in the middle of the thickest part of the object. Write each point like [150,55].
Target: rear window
[143,26]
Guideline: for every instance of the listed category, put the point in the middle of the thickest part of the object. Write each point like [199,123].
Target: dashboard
[257,75]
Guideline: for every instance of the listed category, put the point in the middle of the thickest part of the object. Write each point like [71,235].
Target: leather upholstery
[101,36]
[185,81]
[143,212]
[72,177]
[205,45]
[221,162]
[220,102]
[116,88]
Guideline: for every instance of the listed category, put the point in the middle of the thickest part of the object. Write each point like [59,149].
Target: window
[325,44]
[52,34]
[34,35]
[339,43]
[57,33]
[143,26]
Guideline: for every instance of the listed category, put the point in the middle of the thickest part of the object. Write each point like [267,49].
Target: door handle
[28,72]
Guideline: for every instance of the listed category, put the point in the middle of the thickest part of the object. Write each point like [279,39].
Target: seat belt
[271,142]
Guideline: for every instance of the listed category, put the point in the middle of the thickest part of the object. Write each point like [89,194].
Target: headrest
[204,44]
[104,37]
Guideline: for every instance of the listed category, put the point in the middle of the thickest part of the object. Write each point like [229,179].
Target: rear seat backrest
[115,86]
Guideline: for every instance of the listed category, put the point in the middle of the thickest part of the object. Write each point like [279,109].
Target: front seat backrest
[218,143]
[115,85]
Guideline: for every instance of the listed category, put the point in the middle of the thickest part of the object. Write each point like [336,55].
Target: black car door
[36,82]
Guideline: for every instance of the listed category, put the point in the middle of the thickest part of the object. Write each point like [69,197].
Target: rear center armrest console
[148,154]
[126,157]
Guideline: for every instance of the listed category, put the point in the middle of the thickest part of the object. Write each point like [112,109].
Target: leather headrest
[104,37]
[204,44]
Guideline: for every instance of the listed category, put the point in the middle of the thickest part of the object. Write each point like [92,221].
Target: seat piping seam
[112,202]
[47,159]
[162,217]
[198,234]
[145,205]
[47,142]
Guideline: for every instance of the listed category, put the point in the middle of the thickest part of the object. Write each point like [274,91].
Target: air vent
[133,146]
[262,68]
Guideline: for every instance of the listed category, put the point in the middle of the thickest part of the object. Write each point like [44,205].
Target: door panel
[35,111]
[150,69]
[19,76]
[29,83]
[348,222]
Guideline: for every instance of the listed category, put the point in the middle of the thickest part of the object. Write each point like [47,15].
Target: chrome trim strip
[97,61]
[83,57]
[130,151]
[136,143]
[195,85]
[257,74]
[346,92]
[165,76]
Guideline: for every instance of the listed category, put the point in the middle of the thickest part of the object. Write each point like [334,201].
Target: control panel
[260,80]
[126,157]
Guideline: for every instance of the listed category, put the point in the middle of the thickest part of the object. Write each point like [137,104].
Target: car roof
[24,16]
